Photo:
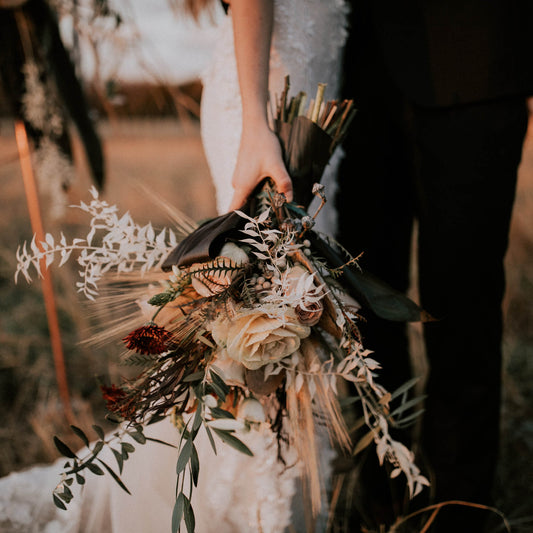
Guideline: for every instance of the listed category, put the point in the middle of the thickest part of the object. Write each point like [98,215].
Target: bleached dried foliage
[114,244]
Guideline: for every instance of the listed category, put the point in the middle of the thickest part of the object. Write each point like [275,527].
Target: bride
[260,42]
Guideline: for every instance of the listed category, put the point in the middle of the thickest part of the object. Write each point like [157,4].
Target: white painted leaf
[312,386]
[263,216]
[299,382]
[395,473]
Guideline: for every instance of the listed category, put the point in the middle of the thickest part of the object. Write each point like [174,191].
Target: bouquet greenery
[253,324]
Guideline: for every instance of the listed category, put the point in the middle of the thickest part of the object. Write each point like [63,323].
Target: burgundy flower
[117,401]
[149,339]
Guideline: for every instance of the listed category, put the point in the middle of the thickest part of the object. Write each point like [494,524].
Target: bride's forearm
[259,154]
[252,30]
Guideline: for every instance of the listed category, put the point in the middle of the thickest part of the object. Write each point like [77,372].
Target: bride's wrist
[255,124]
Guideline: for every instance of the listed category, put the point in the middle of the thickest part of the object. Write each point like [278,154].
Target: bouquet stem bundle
[333,117]
[309,137]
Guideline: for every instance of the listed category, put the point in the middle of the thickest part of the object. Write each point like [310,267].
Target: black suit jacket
[444,52]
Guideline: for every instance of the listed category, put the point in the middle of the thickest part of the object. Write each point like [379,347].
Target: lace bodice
[307,44]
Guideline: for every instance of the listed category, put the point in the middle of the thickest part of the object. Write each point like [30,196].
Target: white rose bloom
[254,338]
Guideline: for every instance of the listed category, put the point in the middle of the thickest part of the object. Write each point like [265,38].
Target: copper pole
[32,198]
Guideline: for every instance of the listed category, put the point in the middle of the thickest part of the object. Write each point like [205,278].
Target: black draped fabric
[30,32]
[440,89]
[450,52]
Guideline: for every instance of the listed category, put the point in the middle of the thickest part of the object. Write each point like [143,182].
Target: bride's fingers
[283,185]
[281,179]
[283,182]
[239,197]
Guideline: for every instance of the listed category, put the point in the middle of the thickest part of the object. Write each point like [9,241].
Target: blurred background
[139,64]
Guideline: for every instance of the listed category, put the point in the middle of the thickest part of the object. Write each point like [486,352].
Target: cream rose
[254,339]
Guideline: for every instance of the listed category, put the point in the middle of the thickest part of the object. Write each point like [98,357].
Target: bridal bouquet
[254,322]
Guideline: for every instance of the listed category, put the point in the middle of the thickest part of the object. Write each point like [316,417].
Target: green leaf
[127,446]
[114,476]
[184,456]
[219,381]
[113,417]
[195,466]
[404,388]
[219,386]
[190,522]
[95,469]
[211,439]
[177,512]
[218,391]
[137,436]
[161,442]
[405,406]
[158,300]
[406,421]
[99,431]
[233,441]
[67,494]
[80,479]
[196,376]
[98,447]
[125,455]
[59,503]
[217,412]
[64,449]
[63,497]
[154,419]
[345,402]
[197,422]
[119,458]
[80,434]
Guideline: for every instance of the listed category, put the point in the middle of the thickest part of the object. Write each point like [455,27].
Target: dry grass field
[168,158]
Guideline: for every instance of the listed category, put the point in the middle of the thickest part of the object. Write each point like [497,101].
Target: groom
[440,88]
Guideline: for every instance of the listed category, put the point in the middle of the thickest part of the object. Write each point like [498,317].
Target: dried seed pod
[311,315]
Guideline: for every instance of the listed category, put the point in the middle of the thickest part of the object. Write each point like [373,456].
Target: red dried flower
[117,401]
[112,394]
[149,339]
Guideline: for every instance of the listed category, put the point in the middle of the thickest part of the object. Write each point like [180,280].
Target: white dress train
[236,493]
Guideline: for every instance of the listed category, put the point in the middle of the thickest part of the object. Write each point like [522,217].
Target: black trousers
[454,169]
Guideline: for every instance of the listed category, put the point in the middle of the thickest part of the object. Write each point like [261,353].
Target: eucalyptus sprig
[77,466]
[207,413]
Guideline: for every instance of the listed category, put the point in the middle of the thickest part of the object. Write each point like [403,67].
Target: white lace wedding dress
[307,43]
[236,493]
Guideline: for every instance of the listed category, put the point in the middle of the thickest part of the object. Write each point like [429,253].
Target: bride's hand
[259,157]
